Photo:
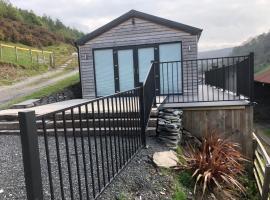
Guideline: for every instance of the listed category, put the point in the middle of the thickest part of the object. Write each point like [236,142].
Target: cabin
[117,56]
[216,94]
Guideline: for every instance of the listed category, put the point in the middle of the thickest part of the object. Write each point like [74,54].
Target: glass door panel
[170,73]
[145,56]
[104,72]
[126,69]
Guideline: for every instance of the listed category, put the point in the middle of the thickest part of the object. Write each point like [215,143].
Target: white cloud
[224,22]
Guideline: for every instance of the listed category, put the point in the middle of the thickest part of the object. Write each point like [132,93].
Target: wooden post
[266,182]
[44,62]
[16,54]
[31,55]
[1,51]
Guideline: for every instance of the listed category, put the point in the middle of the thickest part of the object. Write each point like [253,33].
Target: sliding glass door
[170,73]
[103,61]
[145,56]
[121,69]
[126,69]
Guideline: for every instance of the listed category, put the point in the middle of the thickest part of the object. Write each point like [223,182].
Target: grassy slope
[51,89]
[13,70]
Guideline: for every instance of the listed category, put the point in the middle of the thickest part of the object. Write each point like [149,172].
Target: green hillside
[25,36]
[25,27]
[260,45]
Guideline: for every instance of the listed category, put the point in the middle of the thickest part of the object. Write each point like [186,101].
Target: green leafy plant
[216,165]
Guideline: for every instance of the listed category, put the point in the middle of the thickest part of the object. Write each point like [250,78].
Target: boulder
[166,159]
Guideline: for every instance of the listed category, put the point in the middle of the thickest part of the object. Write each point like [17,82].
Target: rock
[166,159]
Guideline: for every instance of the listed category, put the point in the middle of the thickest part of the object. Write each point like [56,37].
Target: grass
[46,91]
[14,70]
[266,132]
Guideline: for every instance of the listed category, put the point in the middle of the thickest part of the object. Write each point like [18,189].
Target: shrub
[216,165]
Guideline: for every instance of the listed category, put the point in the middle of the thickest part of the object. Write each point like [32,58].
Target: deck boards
[205,96]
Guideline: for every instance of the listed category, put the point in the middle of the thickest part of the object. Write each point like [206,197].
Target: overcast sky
[225,23]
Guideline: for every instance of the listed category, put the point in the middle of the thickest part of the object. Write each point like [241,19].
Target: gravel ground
[139,179]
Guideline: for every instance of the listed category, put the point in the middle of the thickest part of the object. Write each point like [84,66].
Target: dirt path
[33,84]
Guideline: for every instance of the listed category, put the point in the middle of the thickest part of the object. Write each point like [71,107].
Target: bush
[216,165]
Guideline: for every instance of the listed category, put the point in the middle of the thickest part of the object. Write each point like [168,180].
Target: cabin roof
[136,14]
[263,77]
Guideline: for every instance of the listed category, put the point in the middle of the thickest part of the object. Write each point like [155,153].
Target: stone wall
[170,129]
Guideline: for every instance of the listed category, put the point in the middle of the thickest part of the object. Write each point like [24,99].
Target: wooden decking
[205,96]
[54,107]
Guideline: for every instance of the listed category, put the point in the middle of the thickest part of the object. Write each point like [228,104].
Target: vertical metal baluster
[95,141]
[76,153]
[172,81]
[131,122]
[139,114]
[187,79]
[162,78]
[212,85]
[90,149]
[118,129]
[58,158]
[134,120]
[67,154]
[192,81]
[114,134]
[233,77]
[223,75]
[106,141]
[83,154]
[126,128]
[110,135]
[197,72]
[48,159]
[168,87]
[101,144]
[128,124]
[177,79]
[137,118]
[228,78]
[202,80]
[207,86]
[121,128]
[239,95]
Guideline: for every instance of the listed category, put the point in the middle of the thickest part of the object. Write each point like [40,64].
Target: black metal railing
[77,151]
[205,80]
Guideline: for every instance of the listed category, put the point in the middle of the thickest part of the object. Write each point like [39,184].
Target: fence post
[251,70]
[16,54]
[1,51]
[142,115]
[31,55]
[43,57]
[30,153]
[266,182]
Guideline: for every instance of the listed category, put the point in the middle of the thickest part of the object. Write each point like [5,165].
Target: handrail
[261,167]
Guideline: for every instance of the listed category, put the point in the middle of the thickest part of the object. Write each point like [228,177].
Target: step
[25,104]
[151,131]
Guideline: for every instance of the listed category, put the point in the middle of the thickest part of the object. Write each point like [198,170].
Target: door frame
[135,62]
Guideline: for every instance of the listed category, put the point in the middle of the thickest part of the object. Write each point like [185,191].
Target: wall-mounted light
[133,21]
[189,48]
